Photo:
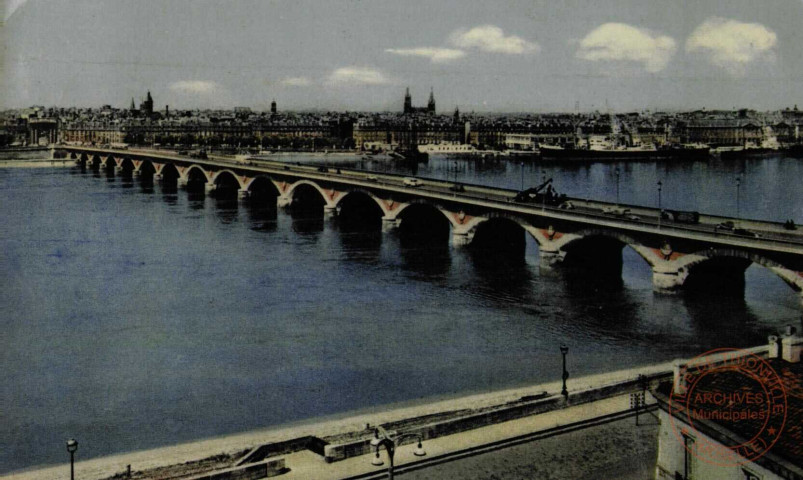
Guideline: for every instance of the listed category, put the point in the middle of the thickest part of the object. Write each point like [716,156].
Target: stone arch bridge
[588,232]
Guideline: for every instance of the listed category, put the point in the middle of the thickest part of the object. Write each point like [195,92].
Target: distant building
[273,107]
[410,110]
[146,106]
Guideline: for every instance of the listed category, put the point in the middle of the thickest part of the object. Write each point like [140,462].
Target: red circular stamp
[728,407]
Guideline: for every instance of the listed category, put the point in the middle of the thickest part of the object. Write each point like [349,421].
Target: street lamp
[72,446]
[522,175]
[617,186]
[564,350]
[383,438]
[455,172]
[738,184]
[660,184]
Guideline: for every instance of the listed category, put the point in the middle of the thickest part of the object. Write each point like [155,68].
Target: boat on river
[613,153]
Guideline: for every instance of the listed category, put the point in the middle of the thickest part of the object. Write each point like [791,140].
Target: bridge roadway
[591,231]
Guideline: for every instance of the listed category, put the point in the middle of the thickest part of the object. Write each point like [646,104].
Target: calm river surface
[134,317]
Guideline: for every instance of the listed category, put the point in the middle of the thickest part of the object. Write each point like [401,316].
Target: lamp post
[738,184]
[455,172]
[543,195]
[564,350]
[617,186]
[521,165]
[383,438]
[660,184]
[72,446]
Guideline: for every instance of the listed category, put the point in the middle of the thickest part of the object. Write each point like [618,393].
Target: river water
[135,317]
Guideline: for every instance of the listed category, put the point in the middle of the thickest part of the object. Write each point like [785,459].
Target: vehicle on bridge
[680,216]
[534,195]
[412,182]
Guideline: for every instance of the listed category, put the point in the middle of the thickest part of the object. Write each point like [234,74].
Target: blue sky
[360,54]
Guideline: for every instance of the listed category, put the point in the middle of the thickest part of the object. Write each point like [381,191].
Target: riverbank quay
[36,163]
[483,421]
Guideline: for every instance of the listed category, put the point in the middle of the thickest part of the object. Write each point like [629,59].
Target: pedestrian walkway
[308,465]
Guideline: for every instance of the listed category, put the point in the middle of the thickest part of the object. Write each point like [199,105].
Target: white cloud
[623,42]
[490,38]
[732,45]
[11,7]
[435,54]
[296,82]
[357,76]
[193,86]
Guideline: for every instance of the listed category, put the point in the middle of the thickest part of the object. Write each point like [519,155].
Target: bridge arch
[732,262]
[305,197]
[503,234]
[366,194]
[422,222]
[419,203]
[225,183]
[262,185]
[127,165]
[147,168]
[227,178]
[360,210]
[292,191]
[599,249]
[170,173]
[196,173]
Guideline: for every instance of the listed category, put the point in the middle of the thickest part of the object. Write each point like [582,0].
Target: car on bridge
[616,211]
[412,182]
[728,226]
[745,233]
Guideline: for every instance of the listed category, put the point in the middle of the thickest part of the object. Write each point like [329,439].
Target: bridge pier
[243,194]
[118,170]
[284,201]
[549,259]
[461,239]
[668,281]
[329,211]
[390,224]
[209,188]
[136,173]
[182,182]
[157,177]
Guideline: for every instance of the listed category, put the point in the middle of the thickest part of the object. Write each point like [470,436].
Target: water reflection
[261,216]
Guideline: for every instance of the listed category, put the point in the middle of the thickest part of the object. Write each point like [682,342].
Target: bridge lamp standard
[564,350]
[660,184]
[383,438]
[738,184]
[72,446]
[521,165]
[616,172]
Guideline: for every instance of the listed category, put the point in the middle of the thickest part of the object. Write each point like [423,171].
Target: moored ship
[613,153]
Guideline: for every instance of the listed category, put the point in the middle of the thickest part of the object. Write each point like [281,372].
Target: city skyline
[348,55]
